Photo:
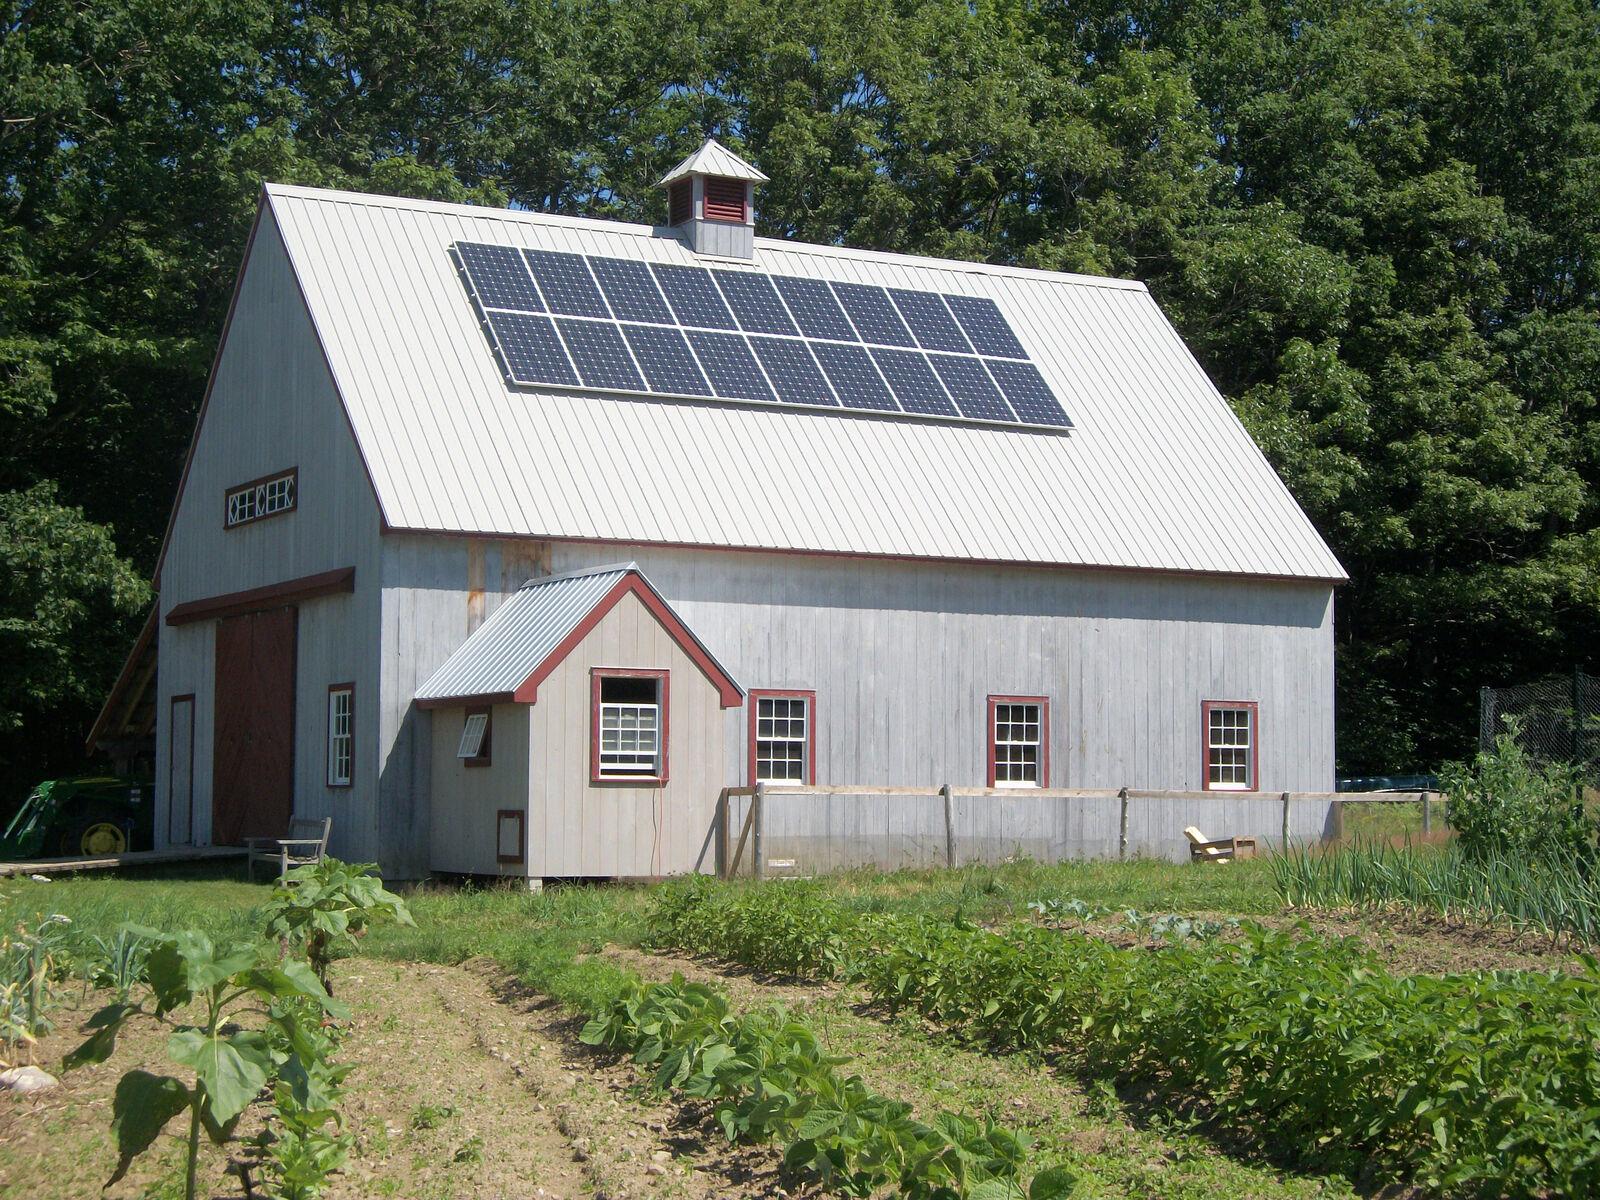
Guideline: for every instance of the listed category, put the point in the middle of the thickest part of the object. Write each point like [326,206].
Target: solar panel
[568,287]
[930,321]
[601,355]
[914,383]
[694,298]
[755,302]
[676,330]
[815,308]
[986,328]
[666,360]
[971,388]
[631,290]
[794,373]
[854,378]
[1028,393]
[730,365]
[531,350]
[874,317]
[499,277]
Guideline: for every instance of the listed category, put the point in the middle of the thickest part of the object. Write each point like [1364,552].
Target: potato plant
[771,1080]
[1479,1083]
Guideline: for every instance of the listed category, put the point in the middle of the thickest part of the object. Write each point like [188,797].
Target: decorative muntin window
[1019,741]
[341,733]
[629,726]
[1231,745]
[477,732]
[269,496]
[782,737]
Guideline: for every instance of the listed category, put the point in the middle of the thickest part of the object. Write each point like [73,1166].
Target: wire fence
[1557,720]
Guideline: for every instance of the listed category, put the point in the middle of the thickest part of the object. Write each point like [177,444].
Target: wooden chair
[1222,850]
[306,842]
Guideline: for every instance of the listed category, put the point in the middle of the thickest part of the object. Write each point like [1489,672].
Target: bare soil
[464,1085]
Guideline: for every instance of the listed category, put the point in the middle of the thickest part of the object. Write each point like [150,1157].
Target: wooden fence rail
[752,830]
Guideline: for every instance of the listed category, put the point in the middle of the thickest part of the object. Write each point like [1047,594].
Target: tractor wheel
[94,835]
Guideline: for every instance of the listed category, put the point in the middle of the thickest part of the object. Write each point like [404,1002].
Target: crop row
[770,1080]
[1486,1082]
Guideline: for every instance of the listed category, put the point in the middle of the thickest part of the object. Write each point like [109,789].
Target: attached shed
[944,522]
[578,732]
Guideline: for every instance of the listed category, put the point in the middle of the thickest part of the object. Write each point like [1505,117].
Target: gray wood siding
[273,406]
[904,655]
[466,800]
[617,829]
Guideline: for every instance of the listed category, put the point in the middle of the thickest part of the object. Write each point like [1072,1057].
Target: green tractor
[71,818]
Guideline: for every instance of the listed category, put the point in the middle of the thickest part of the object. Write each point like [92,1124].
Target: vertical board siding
[466,800]
[273,406]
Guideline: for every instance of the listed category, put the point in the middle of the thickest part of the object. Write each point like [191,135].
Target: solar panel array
[573,320]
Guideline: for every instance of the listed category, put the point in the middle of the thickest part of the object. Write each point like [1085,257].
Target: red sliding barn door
[252,788]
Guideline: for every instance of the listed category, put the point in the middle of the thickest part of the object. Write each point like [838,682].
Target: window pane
[782,743]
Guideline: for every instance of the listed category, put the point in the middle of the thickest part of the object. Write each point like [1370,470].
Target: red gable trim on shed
[635,584]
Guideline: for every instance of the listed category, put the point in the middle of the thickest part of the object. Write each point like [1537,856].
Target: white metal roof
[713,158]
[1158,473]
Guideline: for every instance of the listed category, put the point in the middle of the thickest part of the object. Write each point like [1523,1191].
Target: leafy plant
[31,964]
[318,906]
[231,1065]
[1505,804]
[120,965]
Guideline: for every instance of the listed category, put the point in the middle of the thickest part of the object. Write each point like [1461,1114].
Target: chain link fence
[1558,720]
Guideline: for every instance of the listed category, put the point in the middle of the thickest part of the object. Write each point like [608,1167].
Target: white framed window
[1231,738]
[341,733]
[473,749]
[265,497]
[1019,741]
[782,736]
[629,735]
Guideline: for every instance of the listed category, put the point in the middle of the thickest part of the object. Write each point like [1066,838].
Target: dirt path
[463,1087]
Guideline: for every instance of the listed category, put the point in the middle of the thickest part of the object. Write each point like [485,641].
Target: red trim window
[628,726]
[511,835]
[724,199]
[477,734]
[680,202]
[341,734]
[261,498]
[1019,741]
[783,737]
[1232,733]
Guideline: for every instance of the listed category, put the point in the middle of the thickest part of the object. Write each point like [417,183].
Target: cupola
[710,199]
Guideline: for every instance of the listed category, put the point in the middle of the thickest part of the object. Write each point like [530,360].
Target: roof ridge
[616,568]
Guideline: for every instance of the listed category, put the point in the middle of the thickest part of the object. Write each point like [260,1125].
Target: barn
[506,540]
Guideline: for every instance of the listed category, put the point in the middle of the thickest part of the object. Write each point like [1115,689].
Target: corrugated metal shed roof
[1158,475]
[713,158]
[523,633]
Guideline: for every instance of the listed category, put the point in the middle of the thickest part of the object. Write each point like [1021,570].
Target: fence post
[949,829]
[1427,813]
[1122,825]
[1285,845]
[760,801]
[724,835]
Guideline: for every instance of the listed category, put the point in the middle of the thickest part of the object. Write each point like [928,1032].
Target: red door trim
[272,595]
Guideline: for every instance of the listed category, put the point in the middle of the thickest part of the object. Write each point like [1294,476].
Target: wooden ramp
[110,862]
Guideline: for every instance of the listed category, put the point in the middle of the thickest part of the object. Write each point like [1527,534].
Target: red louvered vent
[680,202]
[724,199]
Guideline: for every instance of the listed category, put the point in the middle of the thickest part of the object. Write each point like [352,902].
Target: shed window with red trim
[477,737]
[1019,741]
[783,737]
[724,199]
[628,732]
[1232,745]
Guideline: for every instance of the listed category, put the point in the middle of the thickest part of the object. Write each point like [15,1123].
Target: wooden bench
[1202,849]
[305,843]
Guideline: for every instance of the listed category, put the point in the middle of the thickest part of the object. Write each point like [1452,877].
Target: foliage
[119,966]
[1560,898]
[230,1064]
[1467,1083]
[1377,223]
[320,905]
[32,962]
[770,1079]
[1504,805]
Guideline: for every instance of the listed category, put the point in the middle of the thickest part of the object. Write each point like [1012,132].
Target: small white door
[180,773]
